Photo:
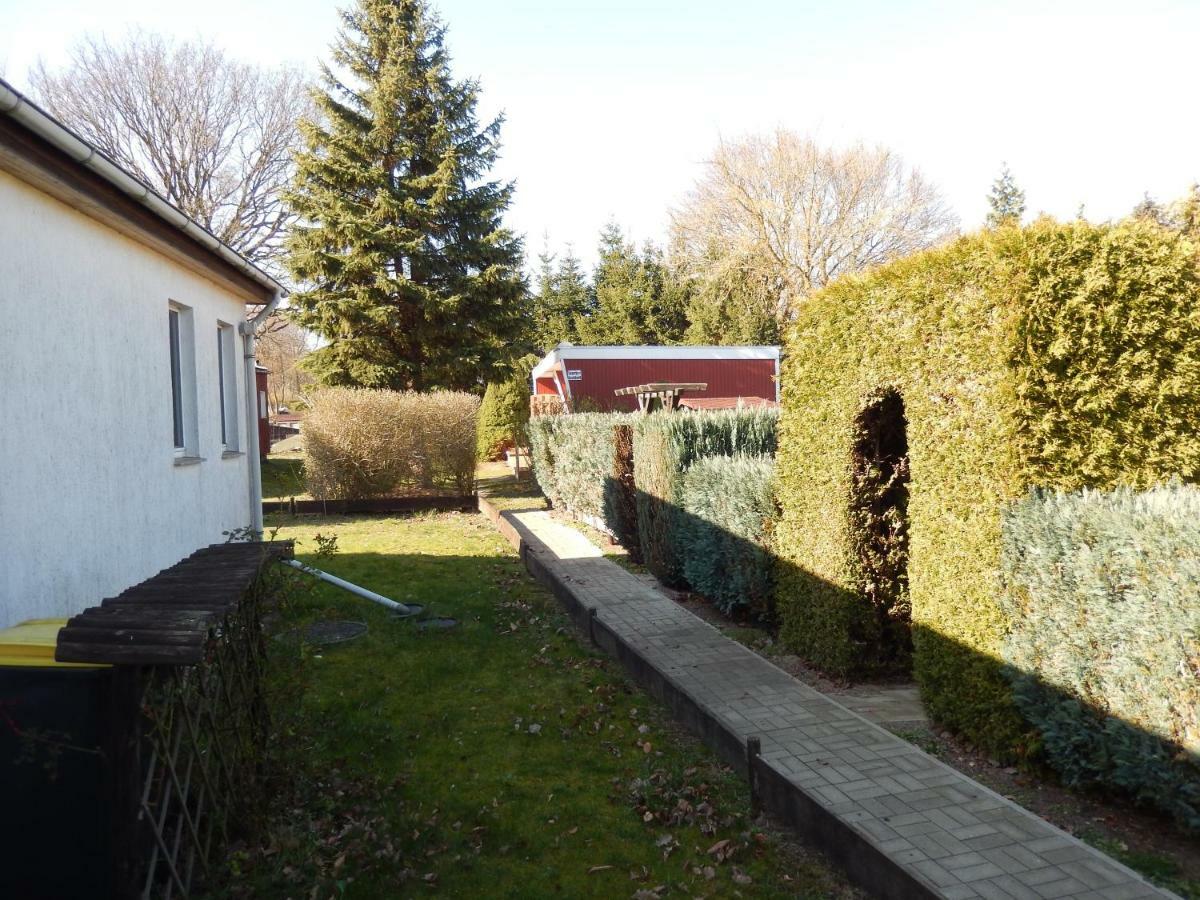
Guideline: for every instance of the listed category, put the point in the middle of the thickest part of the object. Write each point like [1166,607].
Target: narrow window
[227,387]
[221,381]
[176,379]
[184,427]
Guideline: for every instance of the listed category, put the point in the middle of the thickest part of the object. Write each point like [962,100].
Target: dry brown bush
[375,443]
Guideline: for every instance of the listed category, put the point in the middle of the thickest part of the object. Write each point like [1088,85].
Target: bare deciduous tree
[281,348]
[790,213]
[211,134]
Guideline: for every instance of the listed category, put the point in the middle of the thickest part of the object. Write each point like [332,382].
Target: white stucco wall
[91,500]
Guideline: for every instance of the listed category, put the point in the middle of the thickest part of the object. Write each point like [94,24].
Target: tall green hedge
[1058,355]
[730,513]
[1102,591]
[664,445]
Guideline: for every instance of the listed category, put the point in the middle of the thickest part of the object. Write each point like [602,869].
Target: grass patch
[500,759]
[283,477]
[1164,872]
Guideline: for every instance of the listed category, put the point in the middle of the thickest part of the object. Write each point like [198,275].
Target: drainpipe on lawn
[247,329]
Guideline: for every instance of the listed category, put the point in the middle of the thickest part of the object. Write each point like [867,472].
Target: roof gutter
[18,107]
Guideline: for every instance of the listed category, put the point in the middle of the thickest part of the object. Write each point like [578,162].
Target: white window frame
[227,388]
[181,342]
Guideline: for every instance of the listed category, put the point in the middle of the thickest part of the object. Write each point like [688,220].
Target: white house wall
[91,498]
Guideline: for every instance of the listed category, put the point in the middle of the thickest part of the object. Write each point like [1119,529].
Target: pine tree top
[1006,201]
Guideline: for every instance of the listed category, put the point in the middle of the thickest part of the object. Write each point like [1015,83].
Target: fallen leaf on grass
[721,850]
[740,877]
[594,869]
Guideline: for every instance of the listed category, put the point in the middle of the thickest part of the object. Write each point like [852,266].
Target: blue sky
[612,107]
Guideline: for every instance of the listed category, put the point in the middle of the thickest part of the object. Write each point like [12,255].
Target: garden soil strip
[902,823]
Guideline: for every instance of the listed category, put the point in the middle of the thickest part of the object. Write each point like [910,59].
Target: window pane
[221,378]
[176,379]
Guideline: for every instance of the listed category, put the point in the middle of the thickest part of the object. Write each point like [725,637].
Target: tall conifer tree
[1006,201]
[405,267]
[637,299]
[564,298]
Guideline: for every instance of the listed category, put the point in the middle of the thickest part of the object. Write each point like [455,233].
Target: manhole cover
[334,632]
[436,623]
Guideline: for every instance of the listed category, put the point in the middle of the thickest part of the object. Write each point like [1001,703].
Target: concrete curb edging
[872,842]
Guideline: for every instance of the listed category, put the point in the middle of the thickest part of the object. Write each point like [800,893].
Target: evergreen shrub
[620,495]
[665,444]
[504,411]
[730,509]
[1103,649]
[360,442]
[583,449]
[540,431]
[1057,356]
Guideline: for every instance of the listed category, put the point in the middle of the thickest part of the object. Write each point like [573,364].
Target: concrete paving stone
[933,871]
[1040,875]
[1056,890]
[962,860]
[980,872]
[1004,887]
[959,892]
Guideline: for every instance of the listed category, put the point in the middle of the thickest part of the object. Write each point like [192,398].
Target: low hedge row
[664,446]
[725,534]
[361,443]
[573,458]
[620,494]
[541,432]
[583,451]
[1103,650]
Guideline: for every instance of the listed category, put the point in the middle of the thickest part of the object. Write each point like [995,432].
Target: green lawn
[283,477]
[500,759]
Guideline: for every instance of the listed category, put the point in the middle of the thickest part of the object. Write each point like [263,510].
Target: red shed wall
[264,423]
[725,377]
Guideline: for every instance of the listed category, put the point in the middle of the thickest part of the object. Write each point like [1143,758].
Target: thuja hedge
[665,444]
[541,433]
[504,411]
[729,506]
[1103,649]
[1058,355]
[573,457]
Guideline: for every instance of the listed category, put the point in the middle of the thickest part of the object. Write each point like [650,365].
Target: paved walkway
[901,822]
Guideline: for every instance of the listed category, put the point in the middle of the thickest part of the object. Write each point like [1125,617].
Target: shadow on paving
[901,822]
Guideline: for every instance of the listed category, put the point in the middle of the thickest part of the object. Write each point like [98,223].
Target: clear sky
[612,106]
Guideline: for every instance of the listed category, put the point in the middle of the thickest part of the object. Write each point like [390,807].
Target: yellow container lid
[31,643]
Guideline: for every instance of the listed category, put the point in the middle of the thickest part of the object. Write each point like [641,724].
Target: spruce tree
[637,299]
[1006,201]
[405,267]
[563,299]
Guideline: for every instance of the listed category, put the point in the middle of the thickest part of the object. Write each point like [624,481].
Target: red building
[587,377]
[264,422]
